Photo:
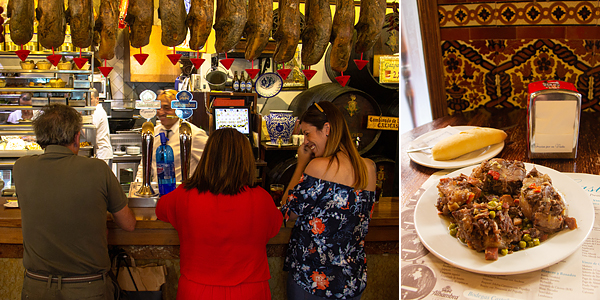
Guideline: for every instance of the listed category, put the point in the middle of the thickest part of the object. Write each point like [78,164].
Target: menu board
[234,117]
[424,276]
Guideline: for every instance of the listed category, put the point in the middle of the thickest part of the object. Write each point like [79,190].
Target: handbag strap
[123,258]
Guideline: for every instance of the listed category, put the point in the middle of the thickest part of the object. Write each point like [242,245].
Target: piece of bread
[466,141]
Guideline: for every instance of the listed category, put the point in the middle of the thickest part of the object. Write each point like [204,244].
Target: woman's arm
[305,155]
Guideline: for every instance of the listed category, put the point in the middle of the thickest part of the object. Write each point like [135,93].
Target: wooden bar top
[150,231]
[514,123]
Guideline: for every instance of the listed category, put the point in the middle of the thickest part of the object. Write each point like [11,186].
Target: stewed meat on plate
[500,208]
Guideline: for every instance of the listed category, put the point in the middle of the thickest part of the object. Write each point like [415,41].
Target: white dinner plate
[425,158]
[433,232]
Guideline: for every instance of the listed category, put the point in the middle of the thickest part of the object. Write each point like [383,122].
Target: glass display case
[65,83]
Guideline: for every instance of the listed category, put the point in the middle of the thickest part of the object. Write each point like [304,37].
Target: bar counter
[154,241]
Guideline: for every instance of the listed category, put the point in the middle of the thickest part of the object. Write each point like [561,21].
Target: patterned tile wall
[492,51]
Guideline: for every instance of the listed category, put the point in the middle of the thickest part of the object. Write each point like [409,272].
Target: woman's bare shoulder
[317,166]
[370,164]
[371,174]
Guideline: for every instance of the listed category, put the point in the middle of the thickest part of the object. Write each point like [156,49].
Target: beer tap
[147,144]
[185,147]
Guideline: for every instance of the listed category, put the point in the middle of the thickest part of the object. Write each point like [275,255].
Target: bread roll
[466,141]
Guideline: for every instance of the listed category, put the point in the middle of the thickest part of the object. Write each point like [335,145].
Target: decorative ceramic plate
[433,231]
[425,158]
[268,85]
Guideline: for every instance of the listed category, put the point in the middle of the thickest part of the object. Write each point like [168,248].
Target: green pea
[523,244]
[536,242]
[530,244]
[452,226]
[503,251]
[527,237]
[453,231]
[492,214]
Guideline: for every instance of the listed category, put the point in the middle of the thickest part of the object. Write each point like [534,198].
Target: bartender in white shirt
[169,124]
[23,114]
[100,121]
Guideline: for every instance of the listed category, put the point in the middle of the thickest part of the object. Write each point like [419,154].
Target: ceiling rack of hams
[97,25]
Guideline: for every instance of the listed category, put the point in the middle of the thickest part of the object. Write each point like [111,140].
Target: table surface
[514,123]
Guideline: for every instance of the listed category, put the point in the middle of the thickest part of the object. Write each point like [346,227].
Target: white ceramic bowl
[133,150]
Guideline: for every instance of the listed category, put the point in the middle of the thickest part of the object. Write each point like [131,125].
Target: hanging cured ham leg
[370,24]
[258,27]
[200,21]
[229,24]
[341,35]
[52,23]
[288,31]
[140,16]
[79,16]
[107,23]
[172,19]
[315,37]
[21,17]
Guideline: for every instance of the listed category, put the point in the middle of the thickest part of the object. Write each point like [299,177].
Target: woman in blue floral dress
[331,194]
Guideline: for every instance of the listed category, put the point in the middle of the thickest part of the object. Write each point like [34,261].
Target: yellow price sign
[389,69]
[383,123]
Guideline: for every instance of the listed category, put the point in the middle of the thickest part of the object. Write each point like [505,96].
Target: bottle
[249,84]
[165,166]
[236,83]
[242,83]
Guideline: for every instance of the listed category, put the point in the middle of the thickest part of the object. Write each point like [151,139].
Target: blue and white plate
[268,85]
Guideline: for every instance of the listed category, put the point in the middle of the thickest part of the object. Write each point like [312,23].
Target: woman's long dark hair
[227,164]
[339,139]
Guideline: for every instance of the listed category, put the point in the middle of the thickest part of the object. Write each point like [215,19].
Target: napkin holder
[553,119]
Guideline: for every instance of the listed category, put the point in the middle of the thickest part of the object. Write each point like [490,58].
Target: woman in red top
[223,223]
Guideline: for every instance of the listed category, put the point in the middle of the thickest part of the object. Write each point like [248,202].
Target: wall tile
[541,32]
[582,32]
[483,33]
[451,34]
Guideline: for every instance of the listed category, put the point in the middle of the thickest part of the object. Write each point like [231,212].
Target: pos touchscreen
[237,117]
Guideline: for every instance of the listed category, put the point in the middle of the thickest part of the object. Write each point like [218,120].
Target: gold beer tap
[185,147]
[147,144]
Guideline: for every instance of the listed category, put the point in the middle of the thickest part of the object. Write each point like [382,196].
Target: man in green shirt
[64,200]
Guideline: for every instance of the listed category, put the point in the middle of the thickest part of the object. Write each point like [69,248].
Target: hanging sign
[383,123]
[147,104]
[389,69]
[184,105]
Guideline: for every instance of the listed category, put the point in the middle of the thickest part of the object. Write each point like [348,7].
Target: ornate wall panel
[492,51]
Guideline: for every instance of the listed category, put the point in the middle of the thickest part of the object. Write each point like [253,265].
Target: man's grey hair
[94,93]
[58,124]
[26,96]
